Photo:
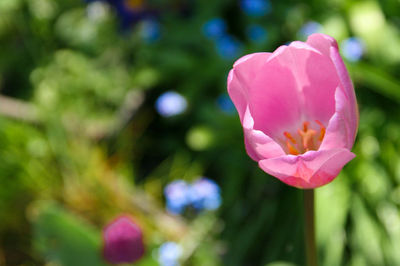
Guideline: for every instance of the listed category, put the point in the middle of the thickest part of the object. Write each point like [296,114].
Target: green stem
[309,228]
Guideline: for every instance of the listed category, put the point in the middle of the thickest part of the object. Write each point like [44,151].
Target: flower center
[305,139]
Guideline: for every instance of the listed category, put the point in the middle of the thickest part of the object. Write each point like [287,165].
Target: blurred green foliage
[59,234]
[89,153]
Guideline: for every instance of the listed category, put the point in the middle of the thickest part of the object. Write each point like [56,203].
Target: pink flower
[298,110]
[123,241]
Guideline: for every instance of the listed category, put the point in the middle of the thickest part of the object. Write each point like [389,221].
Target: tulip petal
[258,145]
[251,65]
[338,133]
[316,80]
[238,94]
[322,43]
[250,150]
[328,46]
[310,170]
[347,85]
[273,99]
[238,91]
[268,89]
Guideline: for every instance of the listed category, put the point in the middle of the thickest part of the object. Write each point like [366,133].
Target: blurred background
[120,107]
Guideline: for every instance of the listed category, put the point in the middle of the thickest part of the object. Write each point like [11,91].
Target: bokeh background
[120,107]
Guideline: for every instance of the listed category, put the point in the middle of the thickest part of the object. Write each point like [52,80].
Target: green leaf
[376,80]
[61,237]
[332,206]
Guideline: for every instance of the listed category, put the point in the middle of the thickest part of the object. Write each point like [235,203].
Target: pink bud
[298,110]
[123,241]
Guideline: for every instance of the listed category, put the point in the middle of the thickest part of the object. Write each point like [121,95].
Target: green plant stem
[309,228]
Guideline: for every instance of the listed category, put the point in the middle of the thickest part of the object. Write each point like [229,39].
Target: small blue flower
[225,104]
[170,103]
[228,47]
[257,33]
[310,28]
[214,28]
[255,8]
[352,49]
[176,194]
[150,31]
[205,194]
[169,254]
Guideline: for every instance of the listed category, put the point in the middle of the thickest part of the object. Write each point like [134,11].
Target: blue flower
[352,49]
[255,8]
[257,33]
[170,103]
[228,47]
[225,104]
[310,28]
[176,194]
[214,28]
[205,194]
[169,254]
[150,31]
[202,194]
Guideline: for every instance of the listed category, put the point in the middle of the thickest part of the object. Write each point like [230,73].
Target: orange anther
[306,139]
[322,130]
[292,150]
[288,136]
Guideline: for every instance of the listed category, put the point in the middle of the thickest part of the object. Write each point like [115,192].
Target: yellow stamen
[287,135]
[292,150]
[322,130]
[310,139]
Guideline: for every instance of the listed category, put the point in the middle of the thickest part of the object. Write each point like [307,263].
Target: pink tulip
[123,242]
[298,110]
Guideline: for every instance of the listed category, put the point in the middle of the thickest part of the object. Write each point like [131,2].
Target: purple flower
[123,241]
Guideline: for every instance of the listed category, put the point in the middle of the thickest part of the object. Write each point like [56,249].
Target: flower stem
[309,228]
